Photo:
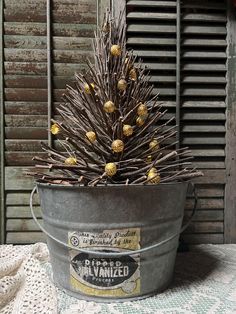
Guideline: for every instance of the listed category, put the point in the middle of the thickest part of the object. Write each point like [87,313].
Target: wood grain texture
[230,192]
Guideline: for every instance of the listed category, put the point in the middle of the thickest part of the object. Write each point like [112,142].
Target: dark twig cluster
[113,130]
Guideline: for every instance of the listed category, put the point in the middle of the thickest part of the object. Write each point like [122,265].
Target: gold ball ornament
[117,146]
[88,88]
[142,110]
[149,158]
[122,85]
[154,178]
[71,161]
[111,169]
[133,75]
[152,170]
[127,130]
[55,129]
[140,121]
[109,106]
[115,50]
[91,136]
[154,145]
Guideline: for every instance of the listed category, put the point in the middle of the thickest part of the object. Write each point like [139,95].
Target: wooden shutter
[152,33]
[25,91]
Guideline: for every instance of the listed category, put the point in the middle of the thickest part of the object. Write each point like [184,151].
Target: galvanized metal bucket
[112,243]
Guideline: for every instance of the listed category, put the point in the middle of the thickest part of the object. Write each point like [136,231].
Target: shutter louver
[25,94]
[151,33]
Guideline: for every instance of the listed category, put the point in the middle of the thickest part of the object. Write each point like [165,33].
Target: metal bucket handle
[101,253]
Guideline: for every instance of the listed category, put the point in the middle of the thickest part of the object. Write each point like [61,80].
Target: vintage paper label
[105,276]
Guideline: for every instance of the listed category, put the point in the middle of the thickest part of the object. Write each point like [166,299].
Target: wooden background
[152,33]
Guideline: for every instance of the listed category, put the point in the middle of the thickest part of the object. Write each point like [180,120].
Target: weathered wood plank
[20,199]
[203,128]
[65,15]
[212,177]
[22,158]
[206,30]
[212,164]
[40,42]
[206,215]
[24,237]
[151,16]
[151,4]
[16,179]
[59,29]
[25,55]
[151,41]
[150,28]
[23,145]
[203,140]
[22,211]
[204,42]
[217,238]
[204,79]
[205,203]
[205,227]
[230,191]
[203,104]
[203,116]
[26,94]
[25,120]
[204,17]
[21,225]
[25,108]
[204,67]
[26,133]
[25,68]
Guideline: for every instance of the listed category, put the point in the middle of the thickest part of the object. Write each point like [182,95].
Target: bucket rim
[111,186]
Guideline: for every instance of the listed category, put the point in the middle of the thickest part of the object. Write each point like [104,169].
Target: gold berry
[117,146]
[88,88]
[91,136]
[71,161]
[154,144]
[133,75]
[109,106]
[110,169]
[149,158]
[140,121]
[115,50]
[152,170]
[106,28]
[122,85]
[127,130]
[142,110]
[154,177]
[55,129]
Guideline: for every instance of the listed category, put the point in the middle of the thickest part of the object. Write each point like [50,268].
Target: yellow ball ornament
[154,145]
[142,110]
[71,161]
[115,50]
[55,129]
[117,146]
[91,136]
[88,88]
[127,130]
[154,178]
[109,106]
[140,121]
[122,85]
[152,170]
[133,75]
[149,158]
[111,169]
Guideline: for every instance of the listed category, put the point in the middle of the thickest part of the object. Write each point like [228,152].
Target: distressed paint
[230,192]
[2,164]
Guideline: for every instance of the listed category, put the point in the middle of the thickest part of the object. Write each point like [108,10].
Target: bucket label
[105,276]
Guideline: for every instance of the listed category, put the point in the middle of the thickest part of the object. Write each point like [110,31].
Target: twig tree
[111,125]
